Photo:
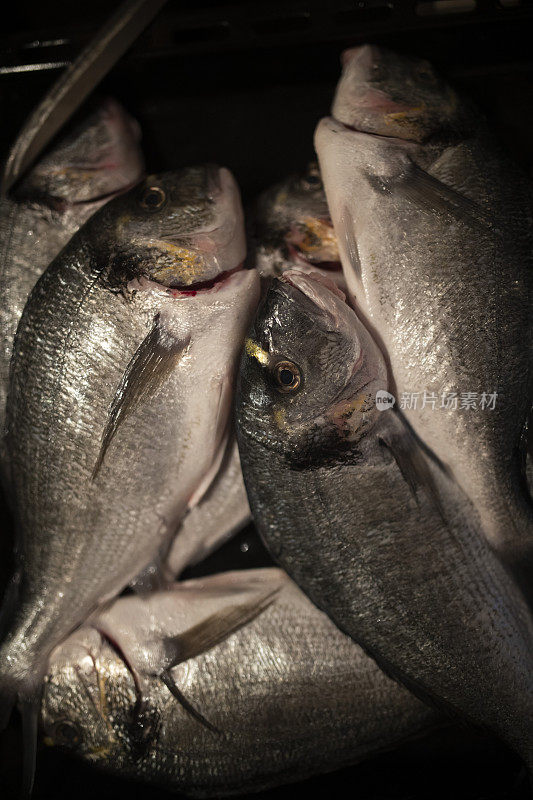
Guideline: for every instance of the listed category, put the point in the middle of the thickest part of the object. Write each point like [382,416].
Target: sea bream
[368,522]
[120,395]
[435,230]
[292,227]
[99,158]
[285,696]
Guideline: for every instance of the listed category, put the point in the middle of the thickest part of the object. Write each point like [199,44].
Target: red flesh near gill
[193,288]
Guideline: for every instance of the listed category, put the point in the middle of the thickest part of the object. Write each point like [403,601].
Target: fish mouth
[206,287]
[298,257]
[298,279]
[381,136]
[201,288]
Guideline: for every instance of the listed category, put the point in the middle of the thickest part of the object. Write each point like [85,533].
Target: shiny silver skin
[436,235]
[98,159]
[290,694]
[292,228]
[368,523]
[119,405]
[221,513]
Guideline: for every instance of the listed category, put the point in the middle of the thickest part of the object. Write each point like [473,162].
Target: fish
[368,522]
[292,227]
[119,400]
[435,230]
[96,160]
[290,696]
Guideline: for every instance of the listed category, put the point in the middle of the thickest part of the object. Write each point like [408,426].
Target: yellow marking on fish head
[279,418]
[255,350]
[318,235]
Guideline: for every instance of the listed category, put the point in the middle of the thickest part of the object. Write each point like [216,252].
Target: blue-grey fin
[76,83]
[150,366]
[29,712]
[413,458]
[167,679]
[215,628]
[430,194]
[348,234]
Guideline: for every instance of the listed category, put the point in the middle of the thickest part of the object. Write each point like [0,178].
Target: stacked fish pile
[379,413]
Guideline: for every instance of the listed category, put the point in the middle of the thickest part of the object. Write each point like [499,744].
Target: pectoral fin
[151,365]
[216,628]
[415,461]
[430,194]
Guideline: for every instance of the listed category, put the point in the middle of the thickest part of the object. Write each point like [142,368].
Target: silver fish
[119,399]
[368,522]
[292,228]
[289,695]
[98,159]
[436,235]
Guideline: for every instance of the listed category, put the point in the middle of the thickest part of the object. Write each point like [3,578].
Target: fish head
[294,227]
[390,94]
[180,230]
[89,700]
[101,157]
[310,371]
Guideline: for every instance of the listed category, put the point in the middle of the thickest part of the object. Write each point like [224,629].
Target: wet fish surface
[292,227]
[221,513]
[119,399]
[365,519]
[436,236]
[289,694]
[98,159]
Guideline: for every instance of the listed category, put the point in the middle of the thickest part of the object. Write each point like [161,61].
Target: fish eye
[153,198]
[66,734]
[287,376]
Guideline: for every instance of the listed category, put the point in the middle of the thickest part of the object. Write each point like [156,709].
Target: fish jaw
[293,228]
[385,93]
[89,695]
[97,160]
[299,306]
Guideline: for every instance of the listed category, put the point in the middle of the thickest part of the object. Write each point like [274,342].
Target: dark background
[243,85]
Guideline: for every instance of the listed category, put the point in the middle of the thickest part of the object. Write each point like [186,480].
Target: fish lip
[297,256]
[220,282]
[380,136]
[62,205]
[209,286]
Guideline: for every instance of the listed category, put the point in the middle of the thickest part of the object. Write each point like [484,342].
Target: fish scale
[443,230]
[370,525]
[291,695]
[83,537]
[47,209]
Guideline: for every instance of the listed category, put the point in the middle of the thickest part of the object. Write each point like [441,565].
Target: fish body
[292,228]
[367,522]
[289,694]
[119,400]
[100,158]
[435,231]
